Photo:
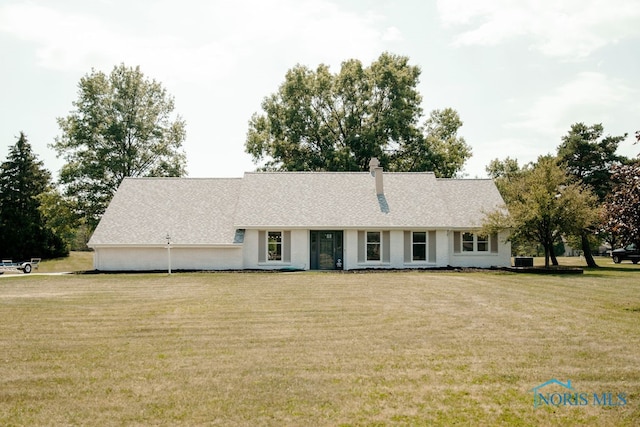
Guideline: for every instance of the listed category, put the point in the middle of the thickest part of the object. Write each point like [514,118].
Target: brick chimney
[376,172]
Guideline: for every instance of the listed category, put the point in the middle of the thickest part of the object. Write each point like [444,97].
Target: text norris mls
[574,398]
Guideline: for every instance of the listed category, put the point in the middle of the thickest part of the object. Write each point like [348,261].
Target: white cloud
[218,58]
[519,147]
[196,39]
[56,34]
[559,28]
[587,98]
[392,34]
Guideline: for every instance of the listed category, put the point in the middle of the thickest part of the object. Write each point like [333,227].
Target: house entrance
[326,250]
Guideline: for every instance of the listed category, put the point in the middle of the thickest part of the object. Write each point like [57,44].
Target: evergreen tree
[22,231]
[588,156]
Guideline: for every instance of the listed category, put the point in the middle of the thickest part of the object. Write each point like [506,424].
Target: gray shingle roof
[335,199]
[468,200]
[192,211]
[208,211]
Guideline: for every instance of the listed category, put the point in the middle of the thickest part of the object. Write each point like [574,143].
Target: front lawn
[387,348]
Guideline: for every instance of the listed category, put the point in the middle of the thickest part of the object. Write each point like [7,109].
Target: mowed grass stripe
[315,349]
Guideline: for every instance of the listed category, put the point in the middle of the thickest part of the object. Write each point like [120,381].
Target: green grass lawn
[389,348]
[76,261]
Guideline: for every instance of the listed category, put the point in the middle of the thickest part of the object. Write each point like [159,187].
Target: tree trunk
[586,249]
[554,260]
[546,255]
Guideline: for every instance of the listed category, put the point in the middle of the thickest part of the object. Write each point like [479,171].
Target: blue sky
[518,72]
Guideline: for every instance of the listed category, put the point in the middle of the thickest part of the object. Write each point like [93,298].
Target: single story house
[300,220]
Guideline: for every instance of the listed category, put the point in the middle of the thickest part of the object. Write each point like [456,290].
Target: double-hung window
[374,243]
[419,246]
[467,242]
[274,246]
[373,246]
[482,243]
[475,242]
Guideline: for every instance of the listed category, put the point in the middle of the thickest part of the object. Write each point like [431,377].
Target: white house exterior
[299,220]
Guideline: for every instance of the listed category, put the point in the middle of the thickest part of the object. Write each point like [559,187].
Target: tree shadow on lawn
[604,271]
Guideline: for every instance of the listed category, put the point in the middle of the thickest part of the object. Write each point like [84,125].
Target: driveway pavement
[18,274]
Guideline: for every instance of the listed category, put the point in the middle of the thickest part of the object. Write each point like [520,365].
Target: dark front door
[326,250]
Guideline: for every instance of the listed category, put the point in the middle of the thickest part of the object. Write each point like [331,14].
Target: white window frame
[425,244]
[475,242]
[486,242]
[279,243]
[379,244]
[464,244]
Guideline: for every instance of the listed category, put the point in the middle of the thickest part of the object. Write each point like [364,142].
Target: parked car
[631,253]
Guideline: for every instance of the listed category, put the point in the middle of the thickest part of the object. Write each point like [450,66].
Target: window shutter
[262,246]
[286,246]
[456,242]
[432,246]
[407,246]
[494,243]
[361,246]
[386,247]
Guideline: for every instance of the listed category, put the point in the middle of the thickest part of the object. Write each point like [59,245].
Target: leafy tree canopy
[588,156]
[542,205]
[502,168]
[122,126]
[622,207]
[337,122]
[23,233]
[439,149]
[58,214]
[504,173]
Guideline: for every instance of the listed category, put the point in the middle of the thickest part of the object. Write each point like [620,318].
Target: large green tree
[59,215]
[23,232]
[438,149]
[122,126]
[507,175]
[542,205]
[337,122]
[503,172]
[588,157]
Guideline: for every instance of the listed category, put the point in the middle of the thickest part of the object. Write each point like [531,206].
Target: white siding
[445,255]
[481,260]
[299,242]
[250,249]
[246,256]
[156,258]
[396,245]
[443,250]
[300,248]
[350,245]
